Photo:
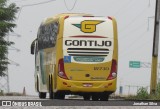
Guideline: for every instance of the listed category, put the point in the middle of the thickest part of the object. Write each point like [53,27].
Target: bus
[76,54]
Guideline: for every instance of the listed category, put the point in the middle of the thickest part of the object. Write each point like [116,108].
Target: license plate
[87,85]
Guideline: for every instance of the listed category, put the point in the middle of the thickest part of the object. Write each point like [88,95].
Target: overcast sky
[135,36]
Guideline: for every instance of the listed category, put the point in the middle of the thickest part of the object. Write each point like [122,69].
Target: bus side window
[40,38]
[47,35]
[54,31]
[36,51]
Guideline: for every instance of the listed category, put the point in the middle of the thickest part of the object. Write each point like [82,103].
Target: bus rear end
[90,53]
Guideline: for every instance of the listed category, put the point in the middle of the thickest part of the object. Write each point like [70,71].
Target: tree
[7,16]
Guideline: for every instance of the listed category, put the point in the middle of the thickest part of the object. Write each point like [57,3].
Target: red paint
[85,36]
[110,18]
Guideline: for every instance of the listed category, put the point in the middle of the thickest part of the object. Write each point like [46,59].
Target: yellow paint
[77,75]
[52,67]
[89,26]
[77,86]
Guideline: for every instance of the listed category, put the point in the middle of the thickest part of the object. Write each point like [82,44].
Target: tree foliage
[7,17]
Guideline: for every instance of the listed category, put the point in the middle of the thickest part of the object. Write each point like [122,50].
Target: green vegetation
[11,94]
[7,16]
[142,94]
[14,94]
[157,94]
[1,93]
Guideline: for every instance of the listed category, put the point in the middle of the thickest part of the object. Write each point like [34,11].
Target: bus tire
[104,97]
[37,85]
[86,97]
[59,95]
[50,88]
[42,95]
[62,96]
[95,97]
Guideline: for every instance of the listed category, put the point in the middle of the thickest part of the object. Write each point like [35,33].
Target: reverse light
[61,71]
[113,73]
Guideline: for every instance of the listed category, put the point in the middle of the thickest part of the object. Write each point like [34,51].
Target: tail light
[66,17]
[88,16]
[61,71]
[110,18]
[113,73]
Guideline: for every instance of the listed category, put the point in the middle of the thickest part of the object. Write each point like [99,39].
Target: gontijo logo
[88,26]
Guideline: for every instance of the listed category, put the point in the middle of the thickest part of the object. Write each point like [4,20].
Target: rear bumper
[78,86]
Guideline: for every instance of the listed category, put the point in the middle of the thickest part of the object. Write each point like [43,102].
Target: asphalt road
[66,102]
[73,103]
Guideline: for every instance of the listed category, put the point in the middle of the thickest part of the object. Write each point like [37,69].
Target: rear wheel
[95,97]
[104,97]
[50,89]
[59,95]
[42,95]
[37,85]
[86,97]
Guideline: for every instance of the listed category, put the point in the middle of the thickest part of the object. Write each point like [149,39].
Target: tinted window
[47,35]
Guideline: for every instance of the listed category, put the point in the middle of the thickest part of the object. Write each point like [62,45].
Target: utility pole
[153,83]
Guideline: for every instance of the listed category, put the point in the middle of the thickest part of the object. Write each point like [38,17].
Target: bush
[157,93]
[142,94]
[1,93]
[13,94]
[158,90]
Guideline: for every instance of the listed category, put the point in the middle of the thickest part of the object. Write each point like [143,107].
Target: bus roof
[56,17]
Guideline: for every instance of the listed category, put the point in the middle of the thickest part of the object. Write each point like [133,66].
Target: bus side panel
[59,50]
[115,52]
[46,68]
[39,75]
[49,62]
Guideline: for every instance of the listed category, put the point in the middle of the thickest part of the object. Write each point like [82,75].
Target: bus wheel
[42,95]
[59,95]
[86,97]
[104,97]
[37,85]
[95,97]
[50,90]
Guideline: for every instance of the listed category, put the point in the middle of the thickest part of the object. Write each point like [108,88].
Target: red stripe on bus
[83,36]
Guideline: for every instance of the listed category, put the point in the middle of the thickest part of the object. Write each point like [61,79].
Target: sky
[135,19]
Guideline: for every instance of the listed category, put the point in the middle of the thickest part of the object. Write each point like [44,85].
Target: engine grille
[87,52]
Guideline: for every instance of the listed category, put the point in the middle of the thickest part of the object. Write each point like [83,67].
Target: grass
[1,93]
[142,94]
[11,94]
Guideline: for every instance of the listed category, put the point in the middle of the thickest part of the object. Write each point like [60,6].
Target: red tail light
[113,73]
[66,17]
[61,71]
[109,17]
[88,16]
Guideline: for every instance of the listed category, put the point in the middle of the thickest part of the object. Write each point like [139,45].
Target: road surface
[74,103]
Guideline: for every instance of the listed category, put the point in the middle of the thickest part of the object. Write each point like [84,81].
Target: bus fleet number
[101,68]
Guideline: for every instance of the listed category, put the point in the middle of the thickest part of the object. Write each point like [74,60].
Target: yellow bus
[76,54]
